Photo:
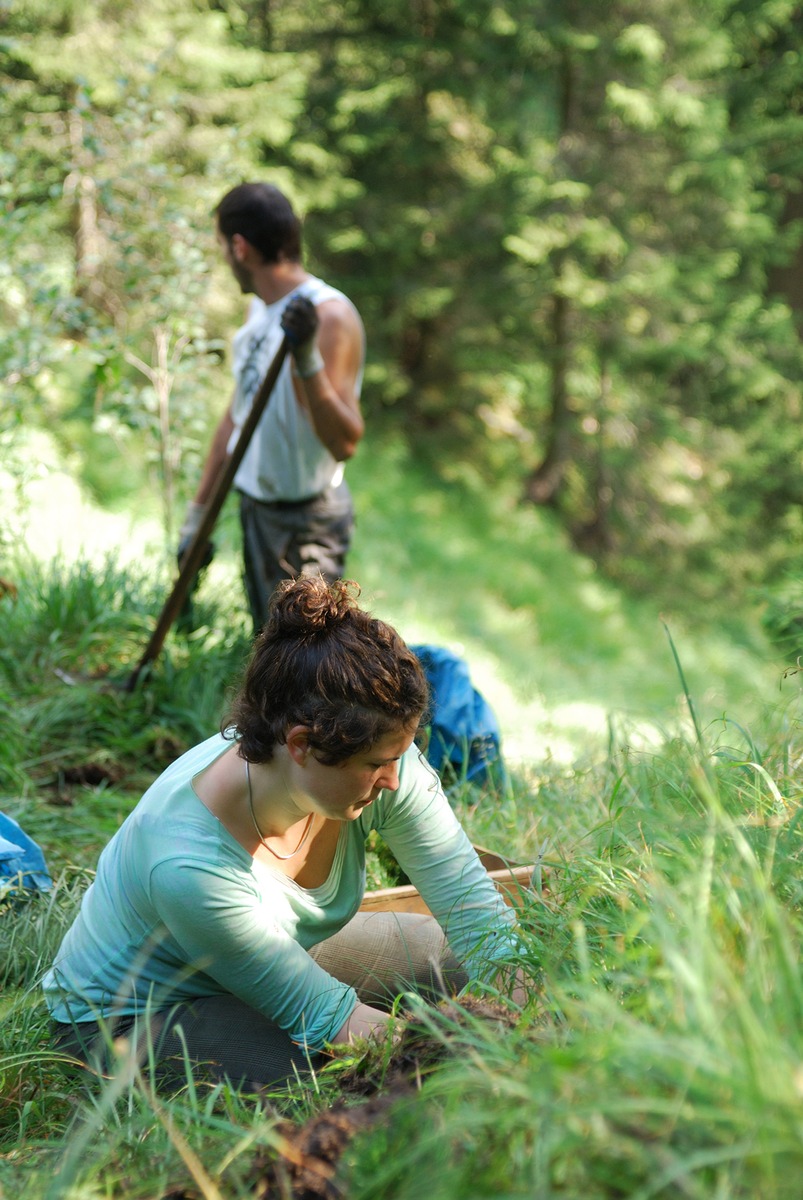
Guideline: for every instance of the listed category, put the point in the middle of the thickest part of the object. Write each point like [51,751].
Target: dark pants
[378,954]
[283,539]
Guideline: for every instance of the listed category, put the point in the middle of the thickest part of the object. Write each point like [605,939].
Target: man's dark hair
[264,216]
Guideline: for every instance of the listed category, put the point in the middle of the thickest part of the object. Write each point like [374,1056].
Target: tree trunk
[80,185]
[594,535]
[544,483]
[788,280]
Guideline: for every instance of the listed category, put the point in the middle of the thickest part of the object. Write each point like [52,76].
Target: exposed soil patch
[306,1168]
[91,774]
[307,1165]
[86,774]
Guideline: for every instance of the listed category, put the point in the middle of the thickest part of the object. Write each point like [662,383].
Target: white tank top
[285,460]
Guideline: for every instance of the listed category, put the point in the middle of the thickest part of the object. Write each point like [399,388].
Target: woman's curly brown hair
[323,662]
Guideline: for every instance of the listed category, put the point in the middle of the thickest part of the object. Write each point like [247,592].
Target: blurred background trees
[573,231]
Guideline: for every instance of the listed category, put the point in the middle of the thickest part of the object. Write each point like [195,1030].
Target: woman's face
[342,791]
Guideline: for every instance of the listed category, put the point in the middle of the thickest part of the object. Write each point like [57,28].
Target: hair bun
[310,605]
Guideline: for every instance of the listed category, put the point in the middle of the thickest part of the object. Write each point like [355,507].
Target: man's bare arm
[330,394]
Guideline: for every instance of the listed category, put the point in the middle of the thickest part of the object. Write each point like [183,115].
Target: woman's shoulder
[170,819]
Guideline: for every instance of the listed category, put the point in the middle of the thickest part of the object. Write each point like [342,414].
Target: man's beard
[243,277]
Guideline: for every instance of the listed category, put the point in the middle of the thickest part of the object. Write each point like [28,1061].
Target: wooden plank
[512,882]
[493,861]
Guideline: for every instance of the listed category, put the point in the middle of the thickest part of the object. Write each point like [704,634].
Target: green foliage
[564,279]
[783,618]
[653,311]
[117,175]
[559,222]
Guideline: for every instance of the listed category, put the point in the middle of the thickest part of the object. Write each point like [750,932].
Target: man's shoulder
[320,292]
[336,312]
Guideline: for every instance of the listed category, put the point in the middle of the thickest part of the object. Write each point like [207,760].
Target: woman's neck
[275,805]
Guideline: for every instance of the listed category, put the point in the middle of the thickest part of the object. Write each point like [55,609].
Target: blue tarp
[464,734]
[22,863]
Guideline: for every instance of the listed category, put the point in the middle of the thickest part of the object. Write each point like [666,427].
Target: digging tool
[193,557]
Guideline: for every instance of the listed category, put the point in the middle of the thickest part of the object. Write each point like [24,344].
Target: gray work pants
[283,539]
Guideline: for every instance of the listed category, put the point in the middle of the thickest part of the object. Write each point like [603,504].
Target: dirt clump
[308,1160]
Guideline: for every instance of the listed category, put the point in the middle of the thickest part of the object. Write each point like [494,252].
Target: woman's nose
[389,778]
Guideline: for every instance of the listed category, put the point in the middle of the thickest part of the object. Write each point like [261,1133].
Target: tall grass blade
[685,686]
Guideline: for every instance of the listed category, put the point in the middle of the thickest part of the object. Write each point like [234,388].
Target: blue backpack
[464,740]
[22,863]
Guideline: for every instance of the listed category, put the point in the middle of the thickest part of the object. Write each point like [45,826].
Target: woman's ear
[297,742]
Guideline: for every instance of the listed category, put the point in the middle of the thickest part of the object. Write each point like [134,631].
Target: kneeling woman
[223,923]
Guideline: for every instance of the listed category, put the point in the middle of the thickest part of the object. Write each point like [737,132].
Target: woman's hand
[521,988]
[363,1022]
[514,984]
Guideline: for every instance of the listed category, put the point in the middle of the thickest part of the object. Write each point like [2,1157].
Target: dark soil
[61,788]
[306,1168]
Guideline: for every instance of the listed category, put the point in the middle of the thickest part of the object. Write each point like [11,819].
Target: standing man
[295,508]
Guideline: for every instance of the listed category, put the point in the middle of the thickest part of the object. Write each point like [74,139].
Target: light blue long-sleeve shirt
[179,909]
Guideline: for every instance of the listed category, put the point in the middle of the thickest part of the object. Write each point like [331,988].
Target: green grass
[661,1053]
[667,1058]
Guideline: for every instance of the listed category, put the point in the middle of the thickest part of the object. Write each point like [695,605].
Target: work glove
[300,324]
[192,523]
[185,622]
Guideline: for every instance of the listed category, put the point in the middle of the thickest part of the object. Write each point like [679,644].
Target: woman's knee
[380,954]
